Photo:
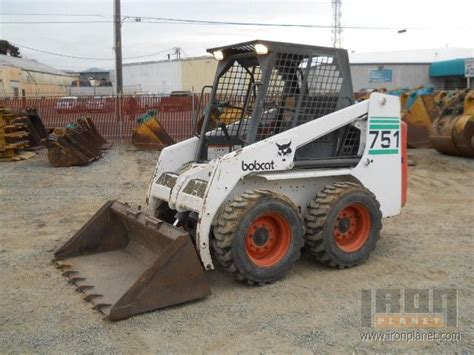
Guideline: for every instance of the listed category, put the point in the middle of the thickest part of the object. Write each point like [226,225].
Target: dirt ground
[314,309]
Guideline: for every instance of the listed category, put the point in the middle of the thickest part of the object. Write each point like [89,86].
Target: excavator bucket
[421,112]
[454,135]
[36,129]
[453,132]
[78,144]
[126,262]
[151,135]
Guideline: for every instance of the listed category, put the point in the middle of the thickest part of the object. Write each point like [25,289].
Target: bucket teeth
[83,288]
[75,280]
[90,297]
[70,272]
[101,306]
[62,266]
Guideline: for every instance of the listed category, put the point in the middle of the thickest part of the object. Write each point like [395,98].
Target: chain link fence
[115,117]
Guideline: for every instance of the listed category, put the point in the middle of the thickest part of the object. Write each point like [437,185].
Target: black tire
[325,234]
[233,244]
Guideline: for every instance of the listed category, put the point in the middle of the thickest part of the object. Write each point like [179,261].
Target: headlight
[218,55]
[261,49]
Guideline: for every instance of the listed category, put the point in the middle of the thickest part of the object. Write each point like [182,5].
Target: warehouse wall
[153,77]
[197,73]
[19,82]
[93,91]
[403,75]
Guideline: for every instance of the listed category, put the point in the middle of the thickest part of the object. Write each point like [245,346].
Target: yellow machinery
[442,119]
[223,115]
[452,132]
[151,134]
[13,136]
[419,110]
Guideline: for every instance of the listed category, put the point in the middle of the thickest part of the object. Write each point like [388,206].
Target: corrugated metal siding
[33,83]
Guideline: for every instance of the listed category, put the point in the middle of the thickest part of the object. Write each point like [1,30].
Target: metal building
[390,70]
[410,68]
[20,77]
[162,77]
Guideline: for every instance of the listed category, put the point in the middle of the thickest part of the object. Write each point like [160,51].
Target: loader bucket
[126,263]
[453,133]
[419,117]
[36,129]
[151,135]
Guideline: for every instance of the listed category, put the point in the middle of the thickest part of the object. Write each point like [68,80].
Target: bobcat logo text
[257,166]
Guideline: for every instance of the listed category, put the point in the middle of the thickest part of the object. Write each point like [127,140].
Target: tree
[7,46]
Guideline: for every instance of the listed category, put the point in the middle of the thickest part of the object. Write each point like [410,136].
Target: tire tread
[226,224]
[318,209]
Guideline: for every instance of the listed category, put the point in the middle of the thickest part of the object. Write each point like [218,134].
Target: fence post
[193,114]
[118,115]
[120,118]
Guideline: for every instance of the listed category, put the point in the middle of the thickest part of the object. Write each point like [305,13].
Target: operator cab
[263,88]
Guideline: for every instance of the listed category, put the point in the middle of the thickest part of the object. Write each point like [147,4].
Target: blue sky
[430,24]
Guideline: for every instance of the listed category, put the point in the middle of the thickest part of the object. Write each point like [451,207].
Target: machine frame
[202,188]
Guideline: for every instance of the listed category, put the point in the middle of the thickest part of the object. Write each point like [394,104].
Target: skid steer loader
[301,165]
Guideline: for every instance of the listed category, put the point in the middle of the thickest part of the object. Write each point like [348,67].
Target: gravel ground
[314,309]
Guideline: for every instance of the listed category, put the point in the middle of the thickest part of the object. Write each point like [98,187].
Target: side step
[126,262]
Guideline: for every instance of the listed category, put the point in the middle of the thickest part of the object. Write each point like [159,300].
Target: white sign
[469,65]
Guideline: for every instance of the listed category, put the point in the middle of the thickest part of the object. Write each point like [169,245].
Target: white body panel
[261,165]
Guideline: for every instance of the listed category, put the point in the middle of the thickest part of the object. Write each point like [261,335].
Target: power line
[49,22]
[165,20]
[232,23]
[90,58]
[51,14]
[151,54]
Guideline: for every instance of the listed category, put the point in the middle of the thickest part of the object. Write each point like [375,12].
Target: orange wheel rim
[352,229]
[268,239]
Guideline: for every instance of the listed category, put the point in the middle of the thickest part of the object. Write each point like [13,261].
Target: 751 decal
[387,139]
[384,135]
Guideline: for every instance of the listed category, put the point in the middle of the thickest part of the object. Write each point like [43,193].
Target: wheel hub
[260,237]
[344,225]
[353,224]
[268,239]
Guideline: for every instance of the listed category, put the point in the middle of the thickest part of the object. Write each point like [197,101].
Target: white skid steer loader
[284,159]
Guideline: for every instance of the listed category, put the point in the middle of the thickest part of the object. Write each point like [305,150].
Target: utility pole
[118,47]
[118,63]
[337,27]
